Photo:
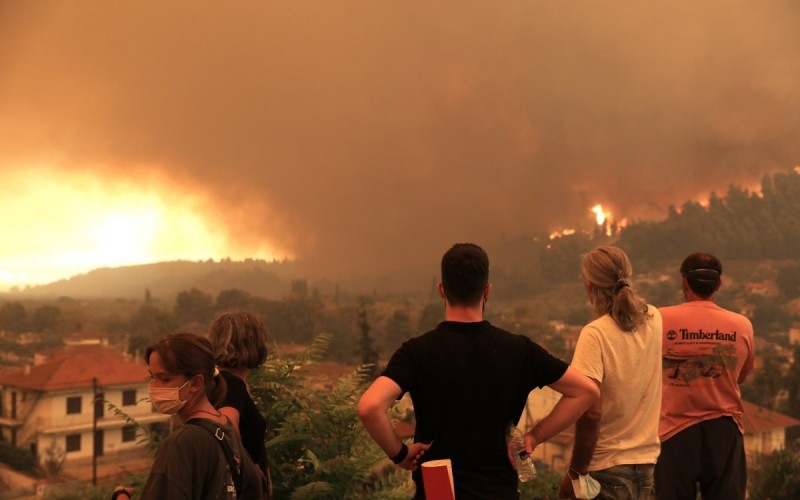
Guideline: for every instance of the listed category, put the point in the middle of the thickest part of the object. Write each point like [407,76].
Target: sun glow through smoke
[59,224]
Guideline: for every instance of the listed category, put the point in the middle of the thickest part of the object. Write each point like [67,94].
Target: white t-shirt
[628,367]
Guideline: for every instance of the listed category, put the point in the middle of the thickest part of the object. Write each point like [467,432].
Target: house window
[129,397]
[128,433]
[74,442]
[73,405]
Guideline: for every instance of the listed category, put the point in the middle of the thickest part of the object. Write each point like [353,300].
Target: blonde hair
[238,340]
[609,271]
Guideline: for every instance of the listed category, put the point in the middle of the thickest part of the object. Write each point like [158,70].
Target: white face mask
[167,400]
[585,487]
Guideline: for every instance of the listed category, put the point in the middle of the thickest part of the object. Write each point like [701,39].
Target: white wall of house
[47,419]
[764,442]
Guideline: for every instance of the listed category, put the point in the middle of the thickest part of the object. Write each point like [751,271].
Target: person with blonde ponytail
[616,440]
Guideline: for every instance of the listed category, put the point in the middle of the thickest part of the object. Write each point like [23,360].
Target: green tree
[193,306]
[432,314]
[54,458]
[369,355]
[788,281]
[299,289]
[18,458]
[777,476]
[148,325]
[13,317]
[233,299]
[398,328]
[543,487]
[793,384]
[45,318]
[765,385]
[317,445]
[769,316]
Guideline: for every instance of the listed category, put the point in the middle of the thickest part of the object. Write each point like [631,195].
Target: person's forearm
[380,428]
[372,411]
[586,434]
[564,413]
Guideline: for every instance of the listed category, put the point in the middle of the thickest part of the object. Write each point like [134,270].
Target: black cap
[702,267]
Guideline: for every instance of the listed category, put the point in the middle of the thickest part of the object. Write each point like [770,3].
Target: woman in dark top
[240,345]
[204,458]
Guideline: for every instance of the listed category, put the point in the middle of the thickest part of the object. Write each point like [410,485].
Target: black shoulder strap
[219,434]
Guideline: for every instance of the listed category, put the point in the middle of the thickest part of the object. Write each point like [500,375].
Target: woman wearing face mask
[191,463]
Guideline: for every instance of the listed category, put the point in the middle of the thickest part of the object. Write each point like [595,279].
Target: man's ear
[440,287]
[487,291]
[685,288]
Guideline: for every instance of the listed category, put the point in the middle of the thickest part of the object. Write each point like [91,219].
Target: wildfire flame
[600,215]
[563,232]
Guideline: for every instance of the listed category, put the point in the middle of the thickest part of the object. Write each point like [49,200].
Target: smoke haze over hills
[367,135]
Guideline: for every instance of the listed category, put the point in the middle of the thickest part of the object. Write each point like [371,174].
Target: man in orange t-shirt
[707,352]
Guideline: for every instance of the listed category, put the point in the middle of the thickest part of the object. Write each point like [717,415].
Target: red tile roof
[74,368]
[759,419]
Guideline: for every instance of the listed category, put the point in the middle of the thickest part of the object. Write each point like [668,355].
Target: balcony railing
[85,420]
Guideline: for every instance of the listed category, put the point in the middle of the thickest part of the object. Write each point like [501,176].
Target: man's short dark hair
[465,274]
[702,272]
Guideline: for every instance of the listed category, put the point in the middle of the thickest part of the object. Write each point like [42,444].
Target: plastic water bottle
[523,462]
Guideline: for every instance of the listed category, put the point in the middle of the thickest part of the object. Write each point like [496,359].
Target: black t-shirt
[252,424]
[467,382]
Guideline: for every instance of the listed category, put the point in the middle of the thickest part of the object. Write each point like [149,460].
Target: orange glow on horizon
[62,223]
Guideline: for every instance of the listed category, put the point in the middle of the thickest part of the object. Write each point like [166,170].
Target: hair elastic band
[619,286]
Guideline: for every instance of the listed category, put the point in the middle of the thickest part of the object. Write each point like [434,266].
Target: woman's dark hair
[189,355]
[238,340]
[609,271]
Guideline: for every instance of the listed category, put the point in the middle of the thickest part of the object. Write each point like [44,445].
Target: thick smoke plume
[368,135]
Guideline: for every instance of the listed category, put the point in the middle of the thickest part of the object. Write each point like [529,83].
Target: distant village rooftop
[76,367]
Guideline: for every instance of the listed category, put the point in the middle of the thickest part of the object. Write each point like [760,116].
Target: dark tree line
[738,225]
[15,318]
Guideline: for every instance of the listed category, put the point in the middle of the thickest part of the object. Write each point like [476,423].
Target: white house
[62,403]
[765,430]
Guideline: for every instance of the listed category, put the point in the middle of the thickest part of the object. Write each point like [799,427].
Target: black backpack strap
[219,434]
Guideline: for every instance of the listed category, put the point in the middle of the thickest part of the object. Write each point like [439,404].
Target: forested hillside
[738,225]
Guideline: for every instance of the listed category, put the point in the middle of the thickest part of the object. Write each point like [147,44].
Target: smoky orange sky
[366,135]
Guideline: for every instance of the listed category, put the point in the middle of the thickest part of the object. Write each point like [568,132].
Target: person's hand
[530,445]
[415,452]
[565,488]
[530,442]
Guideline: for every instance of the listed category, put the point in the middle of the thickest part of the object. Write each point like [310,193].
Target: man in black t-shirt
[467,380]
